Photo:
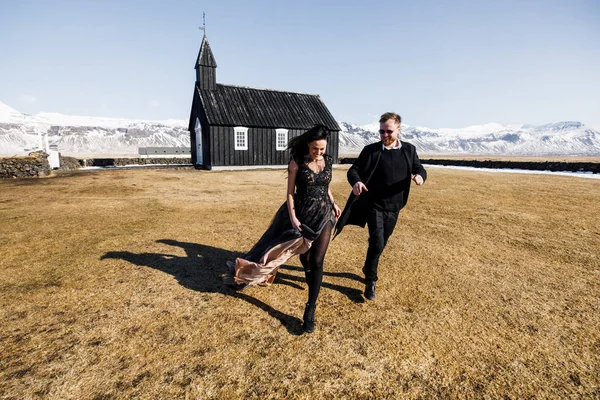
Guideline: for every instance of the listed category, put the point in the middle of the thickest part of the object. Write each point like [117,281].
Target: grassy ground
[110,288]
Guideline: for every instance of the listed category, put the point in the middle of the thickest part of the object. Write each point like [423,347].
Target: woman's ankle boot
[309,318]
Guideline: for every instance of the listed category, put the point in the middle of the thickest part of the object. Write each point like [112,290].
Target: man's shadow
[203,265]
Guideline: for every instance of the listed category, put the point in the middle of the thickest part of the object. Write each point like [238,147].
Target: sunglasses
[383,132]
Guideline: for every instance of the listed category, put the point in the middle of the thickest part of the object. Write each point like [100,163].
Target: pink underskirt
[263,272]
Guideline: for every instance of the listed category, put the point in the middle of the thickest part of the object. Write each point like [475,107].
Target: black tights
[312,261]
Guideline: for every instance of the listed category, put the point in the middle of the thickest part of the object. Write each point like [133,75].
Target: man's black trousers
[381,225]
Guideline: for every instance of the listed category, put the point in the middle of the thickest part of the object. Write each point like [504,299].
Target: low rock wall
[69,163]
[32,166]
[555,166]
[36,164]
[120,162]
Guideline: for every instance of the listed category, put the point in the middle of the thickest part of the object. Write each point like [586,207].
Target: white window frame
[243,143]
[281,133]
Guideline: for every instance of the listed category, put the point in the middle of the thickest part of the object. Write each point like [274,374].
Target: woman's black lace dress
[282,240]
[313,206]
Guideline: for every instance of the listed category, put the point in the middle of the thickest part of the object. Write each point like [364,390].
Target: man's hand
[358,188]
[418,179]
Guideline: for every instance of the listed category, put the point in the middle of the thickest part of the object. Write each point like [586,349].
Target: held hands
[418,179]
[358,188]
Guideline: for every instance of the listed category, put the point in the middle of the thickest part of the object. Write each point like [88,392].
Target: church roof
[250,107]
[205,55]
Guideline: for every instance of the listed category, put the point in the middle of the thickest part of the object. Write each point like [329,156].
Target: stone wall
[555,166]
[120,162]
[36,164]
[69,163]
[32,166]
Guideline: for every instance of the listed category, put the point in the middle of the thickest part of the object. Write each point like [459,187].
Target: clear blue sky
[438,63]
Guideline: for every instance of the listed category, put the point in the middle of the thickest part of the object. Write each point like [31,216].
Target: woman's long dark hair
[298,146]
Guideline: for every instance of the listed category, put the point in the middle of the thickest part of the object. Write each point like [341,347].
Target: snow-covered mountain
[86,136]
[560,138]
[93,136]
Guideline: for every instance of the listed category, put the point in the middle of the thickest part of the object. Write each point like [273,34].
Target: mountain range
[110,137]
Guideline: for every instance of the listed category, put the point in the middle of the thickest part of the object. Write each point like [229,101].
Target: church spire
[206,66]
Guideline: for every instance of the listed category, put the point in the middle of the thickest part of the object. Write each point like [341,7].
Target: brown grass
[110,288]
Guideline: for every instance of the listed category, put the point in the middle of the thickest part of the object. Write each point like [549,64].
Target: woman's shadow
[203,265]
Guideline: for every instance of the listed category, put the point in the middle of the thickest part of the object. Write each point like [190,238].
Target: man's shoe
[370,291]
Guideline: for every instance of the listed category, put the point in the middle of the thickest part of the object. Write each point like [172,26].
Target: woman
[302,225]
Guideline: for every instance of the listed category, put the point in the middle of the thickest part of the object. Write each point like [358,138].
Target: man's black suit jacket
[355,211]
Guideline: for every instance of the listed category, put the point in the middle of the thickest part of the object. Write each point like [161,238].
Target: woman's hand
[296,223]
[337,210]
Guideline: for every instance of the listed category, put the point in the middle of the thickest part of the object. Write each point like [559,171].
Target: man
[380,179]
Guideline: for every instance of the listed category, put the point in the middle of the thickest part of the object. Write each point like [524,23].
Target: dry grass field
[110,288]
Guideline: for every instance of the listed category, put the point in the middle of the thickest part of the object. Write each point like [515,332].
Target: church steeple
[206,67]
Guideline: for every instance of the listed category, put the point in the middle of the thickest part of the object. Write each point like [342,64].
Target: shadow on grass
[354,295]
[203,265]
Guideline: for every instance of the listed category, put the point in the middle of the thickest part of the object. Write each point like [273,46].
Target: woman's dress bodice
[313,206]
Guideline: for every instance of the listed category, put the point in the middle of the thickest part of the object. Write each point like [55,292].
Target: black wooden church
[243,126]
